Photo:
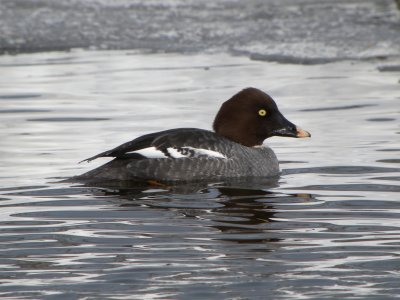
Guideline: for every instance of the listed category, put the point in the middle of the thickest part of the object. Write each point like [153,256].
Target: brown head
[251,116]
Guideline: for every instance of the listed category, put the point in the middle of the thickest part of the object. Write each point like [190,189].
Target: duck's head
[251,116]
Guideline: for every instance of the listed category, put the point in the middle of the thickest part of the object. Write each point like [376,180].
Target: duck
[234,149]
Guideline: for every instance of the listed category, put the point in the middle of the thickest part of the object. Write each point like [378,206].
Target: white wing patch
[183,152]
[175,153]
[206,152]
[151,152]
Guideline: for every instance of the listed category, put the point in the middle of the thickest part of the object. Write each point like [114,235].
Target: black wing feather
[180,137]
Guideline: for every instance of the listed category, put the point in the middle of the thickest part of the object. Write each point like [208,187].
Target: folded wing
[174,143]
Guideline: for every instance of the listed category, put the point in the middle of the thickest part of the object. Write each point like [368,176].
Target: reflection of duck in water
[243,217]
[186,154]
[237,210]
[249,217]
[239,214]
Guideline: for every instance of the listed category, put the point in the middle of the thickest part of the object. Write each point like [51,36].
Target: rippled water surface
[329,227]
[299,31]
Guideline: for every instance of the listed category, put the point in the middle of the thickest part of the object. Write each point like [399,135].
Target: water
[298,31]
[327,228]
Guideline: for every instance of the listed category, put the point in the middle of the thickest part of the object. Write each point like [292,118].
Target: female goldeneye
[185,154]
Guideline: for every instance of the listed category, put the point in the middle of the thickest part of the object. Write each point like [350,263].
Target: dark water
[327,228]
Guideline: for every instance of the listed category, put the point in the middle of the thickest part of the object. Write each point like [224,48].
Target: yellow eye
[262,112]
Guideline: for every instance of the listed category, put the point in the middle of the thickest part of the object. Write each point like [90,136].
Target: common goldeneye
[233,150]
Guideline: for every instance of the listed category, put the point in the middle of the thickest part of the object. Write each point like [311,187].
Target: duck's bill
[292,131]
[300,133]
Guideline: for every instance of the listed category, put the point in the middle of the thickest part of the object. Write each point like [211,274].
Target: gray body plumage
[235,160]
